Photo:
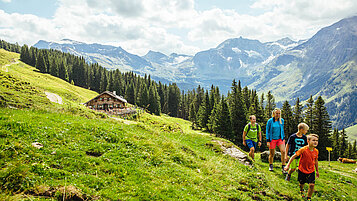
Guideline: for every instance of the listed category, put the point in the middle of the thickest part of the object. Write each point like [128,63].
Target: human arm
[287,150]
[244,133]
[317,168]
[260,139]
[291,160]
[267,133]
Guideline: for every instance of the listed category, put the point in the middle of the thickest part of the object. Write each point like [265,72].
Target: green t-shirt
[253,132]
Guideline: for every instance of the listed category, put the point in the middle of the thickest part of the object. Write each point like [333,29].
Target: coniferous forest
[207,109]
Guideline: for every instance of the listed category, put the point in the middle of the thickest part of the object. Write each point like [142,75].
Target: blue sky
[180,26]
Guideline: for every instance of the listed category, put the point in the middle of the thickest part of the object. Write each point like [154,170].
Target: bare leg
[291,171]
[311,190]
[251,153]
[271,156]
[282,151]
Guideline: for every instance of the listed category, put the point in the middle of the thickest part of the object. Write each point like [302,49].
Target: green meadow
[86,155]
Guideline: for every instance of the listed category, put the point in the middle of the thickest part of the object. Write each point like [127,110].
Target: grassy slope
[352,133]
[157,158]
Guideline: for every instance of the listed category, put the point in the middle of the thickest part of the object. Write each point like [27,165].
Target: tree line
[209,110]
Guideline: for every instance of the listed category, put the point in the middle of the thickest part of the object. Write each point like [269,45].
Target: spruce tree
[25,54]
[40,62]
[309,114]
[287,115]
[203,112]
[335,144]
[343,144]
[298,113]
[192,115]
[154,101]
[174,99]
[270,105]
[322,127]
[238,111]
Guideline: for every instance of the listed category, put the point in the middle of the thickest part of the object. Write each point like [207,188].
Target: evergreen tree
[322,126]
[238,111]
[287,115]
[130,94]
[203,112]
[298,113]
[40,62]
[309,114]
[25,54]
[270,105]
[192,115]
[174,99]
[343,144]
[335,144]
[219,122]
[62,71]
[154,101]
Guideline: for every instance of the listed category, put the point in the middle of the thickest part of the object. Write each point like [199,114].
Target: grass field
[86,156]
[352,133]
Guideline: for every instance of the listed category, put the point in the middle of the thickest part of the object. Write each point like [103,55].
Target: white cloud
[172,26]
[6,1]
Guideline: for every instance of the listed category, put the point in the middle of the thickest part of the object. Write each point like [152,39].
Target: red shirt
[307,160]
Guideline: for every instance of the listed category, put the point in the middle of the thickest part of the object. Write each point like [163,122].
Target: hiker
[295,142]
[250,135]
[307,165]
[275,137]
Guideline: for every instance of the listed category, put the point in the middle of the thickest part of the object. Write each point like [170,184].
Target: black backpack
[258,127]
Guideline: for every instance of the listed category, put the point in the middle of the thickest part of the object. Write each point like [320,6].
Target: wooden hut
[110,103]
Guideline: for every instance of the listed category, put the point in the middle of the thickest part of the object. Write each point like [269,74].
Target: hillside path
[4,67]
[54,97]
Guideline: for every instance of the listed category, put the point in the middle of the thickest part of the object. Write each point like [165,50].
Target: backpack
[258,127]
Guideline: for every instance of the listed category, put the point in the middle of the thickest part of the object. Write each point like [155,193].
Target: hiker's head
[252,119]
[313,140]
[276,113]
[303,128]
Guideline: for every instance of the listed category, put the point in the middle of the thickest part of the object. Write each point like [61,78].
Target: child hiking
[295,142]
[250,135]
[308,164]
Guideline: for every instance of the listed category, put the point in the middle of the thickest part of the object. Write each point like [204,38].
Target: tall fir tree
[308,113]
[154,101]
[335,144]
[238,111]
[40,62]
[203,112]
[174,99]
[270,105]
[287,115]
[322,127]
[192,115]
[343,143]
[298,112]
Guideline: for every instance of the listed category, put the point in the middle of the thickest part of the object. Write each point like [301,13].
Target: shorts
[251,144]
[275,143]
[306,178]
[295,163]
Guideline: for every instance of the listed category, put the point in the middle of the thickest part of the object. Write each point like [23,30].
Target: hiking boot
[270,167]
[287,178]
[282,170]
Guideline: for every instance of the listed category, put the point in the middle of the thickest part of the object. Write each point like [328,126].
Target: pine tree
[62,71]
[238,111]
[309,114]
[192,115]
[219,122]
[130,94]
[25,54]
[154,101]
[174,99]
[40,62]
[203,112]
[270,105]
[322,127]
[298,113]
[343,144]
[287,115]
[335,144]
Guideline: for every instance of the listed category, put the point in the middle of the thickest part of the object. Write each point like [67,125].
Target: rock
[265,156]
[37,145]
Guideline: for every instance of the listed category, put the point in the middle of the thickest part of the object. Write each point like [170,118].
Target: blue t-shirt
[276,130]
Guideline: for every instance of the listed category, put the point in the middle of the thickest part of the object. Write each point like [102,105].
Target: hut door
[105,106]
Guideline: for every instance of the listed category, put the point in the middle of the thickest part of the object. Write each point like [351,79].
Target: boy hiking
[250,135]
[308,164]
[295,142]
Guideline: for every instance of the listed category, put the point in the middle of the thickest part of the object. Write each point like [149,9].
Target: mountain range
[325,64]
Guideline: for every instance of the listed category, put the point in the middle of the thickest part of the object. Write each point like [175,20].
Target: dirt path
[54,97]
[4,67]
